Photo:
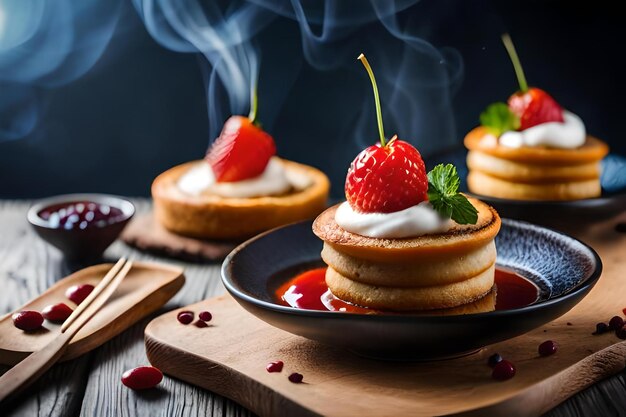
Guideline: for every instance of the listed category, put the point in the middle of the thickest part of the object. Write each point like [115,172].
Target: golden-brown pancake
[214,217]
[406,299]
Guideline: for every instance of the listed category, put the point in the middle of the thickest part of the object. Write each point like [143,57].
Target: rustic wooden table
[90,385]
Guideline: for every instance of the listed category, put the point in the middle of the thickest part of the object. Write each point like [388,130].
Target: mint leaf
[497,118]
[443,186]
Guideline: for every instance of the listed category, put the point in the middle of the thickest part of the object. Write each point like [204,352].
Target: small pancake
[214,217]
[407,299]
[593,150]
[484,184]
[459,240]
[530,174]
[417,273]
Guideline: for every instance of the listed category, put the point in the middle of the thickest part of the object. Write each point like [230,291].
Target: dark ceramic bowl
[562,267]
[78,243]
[558,214]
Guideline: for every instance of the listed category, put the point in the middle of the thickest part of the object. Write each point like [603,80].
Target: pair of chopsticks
[31,368]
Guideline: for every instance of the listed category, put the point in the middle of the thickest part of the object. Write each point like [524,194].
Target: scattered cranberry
[276,366]
[621,333]
[200,323]
[503,370]
[547,348]
[616,323]
[28,320]
[80,215]
[205,316]
[78,293]
[185,317]
[494,359]
[601,328]
[624,310]
[296,378]
[57,313]
[143,377]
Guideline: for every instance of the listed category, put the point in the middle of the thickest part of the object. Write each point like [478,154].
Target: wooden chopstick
[34,365]
[104,282]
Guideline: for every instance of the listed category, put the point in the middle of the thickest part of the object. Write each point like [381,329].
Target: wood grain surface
[90,385]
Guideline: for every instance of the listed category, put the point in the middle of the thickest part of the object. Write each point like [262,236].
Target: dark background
[142,109]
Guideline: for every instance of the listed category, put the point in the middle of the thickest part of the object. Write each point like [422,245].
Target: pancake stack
[533,173]
[437,271]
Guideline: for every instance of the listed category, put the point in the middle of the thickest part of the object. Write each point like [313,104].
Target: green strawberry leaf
[498,118]
[443,186]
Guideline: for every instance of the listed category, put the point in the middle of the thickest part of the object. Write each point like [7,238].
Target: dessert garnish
[621,333]
[185,317]
[296,378]
[275,366]
[547,348]
[601,328]
[143,377]
[616,323]
[27,320]
[242,150]
[528,107]
[77,293]
[391,176]
[205,316]
[503,370]
[57,313]
[200,323]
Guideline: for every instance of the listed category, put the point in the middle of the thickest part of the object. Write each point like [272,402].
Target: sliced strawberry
[242,151]
[384,179]
[535,107]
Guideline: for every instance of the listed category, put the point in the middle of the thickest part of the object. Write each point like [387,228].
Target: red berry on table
[200,323]
[241,151]
[27,320]
[616,323]
[143,377]
[205,316]
[185,317]
[384,179]
[57,313]
[296,378]
[276,366]
[534,107]
[547,348]
[78,293]
[503,370]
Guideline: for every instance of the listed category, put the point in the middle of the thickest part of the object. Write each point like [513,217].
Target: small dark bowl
[563,268]
[78,243]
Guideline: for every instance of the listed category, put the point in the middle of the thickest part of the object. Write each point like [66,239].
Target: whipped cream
[567,135]
[414,221]
[200,180]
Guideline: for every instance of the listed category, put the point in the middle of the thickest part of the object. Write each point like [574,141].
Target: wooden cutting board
[230,356]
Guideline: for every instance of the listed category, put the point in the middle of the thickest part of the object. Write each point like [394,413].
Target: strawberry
[535,107]
[242,151]
[387,178]
[532,106]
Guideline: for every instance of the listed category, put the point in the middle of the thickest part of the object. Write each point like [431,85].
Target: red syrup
[309,291]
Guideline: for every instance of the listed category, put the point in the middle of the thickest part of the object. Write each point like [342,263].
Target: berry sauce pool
[308,290]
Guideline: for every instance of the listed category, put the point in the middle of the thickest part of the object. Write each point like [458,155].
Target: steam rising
[46,44]
[415,78]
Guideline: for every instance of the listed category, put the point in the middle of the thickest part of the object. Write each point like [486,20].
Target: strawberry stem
[519,71]
[254,102]
[379,114]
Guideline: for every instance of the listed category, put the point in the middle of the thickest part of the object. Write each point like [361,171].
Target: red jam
[309,291]
[80,215]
